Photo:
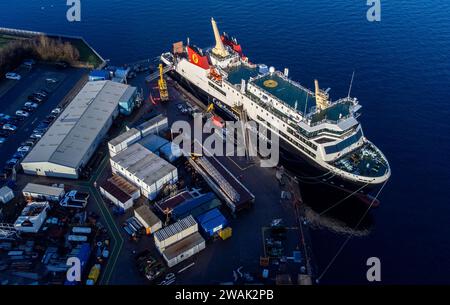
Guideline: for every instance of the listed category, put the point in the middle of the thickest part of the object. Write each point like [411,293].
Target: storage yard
[107,185]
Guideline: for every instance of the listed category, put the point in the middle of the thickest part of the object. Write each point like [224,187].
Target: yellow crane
[163,93]
[210,108]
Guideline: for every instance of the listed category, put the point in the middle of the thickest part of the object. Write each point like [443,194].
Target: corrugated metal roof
[205,217]
[189,205]
[183,245]
[147,215]
[143,164]
[153,142]
[116,192]
[43,189]
[75,130]
[124,136]
[175,228]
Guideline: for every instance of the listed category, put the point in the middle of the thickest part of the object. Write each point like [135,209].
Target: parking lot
[55,82]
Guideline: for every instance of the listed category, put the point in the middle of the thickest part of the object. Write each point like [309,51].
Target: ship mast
[351,84]
[219,49]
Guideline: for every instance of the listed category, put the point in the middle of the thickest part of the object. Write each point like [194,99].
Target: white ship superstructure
[325,133]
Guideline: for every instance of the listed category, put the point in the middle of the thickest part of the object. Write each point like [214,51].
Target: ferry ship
[320,137]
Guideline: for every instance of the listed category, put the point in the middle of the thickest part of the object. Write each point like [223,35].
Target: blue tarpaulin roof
[153,142]
[191,204]
[99,74]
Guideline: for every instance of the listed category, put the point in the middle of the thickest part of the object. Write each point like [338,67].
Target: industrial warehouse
[73,138]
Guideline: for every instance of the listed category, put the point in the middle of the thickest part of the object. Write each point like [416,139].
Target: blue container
[212,221]
[96,75]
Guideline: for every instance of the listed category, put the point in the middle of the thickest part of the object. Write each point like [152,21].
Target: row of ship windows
[292,140]
[298,145]
[343,144]
[215,87]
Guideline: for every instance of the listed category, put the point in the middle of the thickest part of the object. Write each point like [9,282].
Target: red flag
[229,42]
[197,59]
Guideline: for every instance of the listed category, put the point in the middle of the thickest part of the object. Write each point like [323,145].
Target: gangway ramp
[155,75]
[223,182]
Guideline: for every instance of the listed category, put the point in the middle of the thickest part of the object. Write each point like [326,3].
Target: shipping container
[83,230]
[148,219]
[43,192]
[116,195]
[122,141]
[77,238]
[154,125]
[183,249]
[212,221]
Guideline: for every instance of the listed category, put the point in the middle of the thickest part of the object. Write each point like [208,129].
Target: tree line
[38,48]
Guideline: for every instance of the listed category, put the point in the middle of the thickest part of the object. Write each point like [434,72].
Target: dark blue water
[402,80]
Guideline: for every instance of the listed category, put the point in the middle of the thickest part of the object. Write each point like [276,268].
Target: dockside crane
[162,85]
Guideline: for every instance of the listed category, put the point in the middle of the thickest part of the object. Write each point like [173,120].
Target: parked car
[51,80]
[31,104]
[29,142]
[35,99]
[42,125]
[9,127]
[2,140]
[19,154]
[62,64]
[36,136]
[22,113]
[40,94]
[38,98]
[24,149]
[17,118]
[39,131]
[12,161]
[4,133]
[11,75]
[27,109]
[57,110]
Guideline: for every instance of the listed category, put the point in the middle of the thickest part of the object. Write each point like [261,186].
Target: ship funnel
[219,49]
[322,97]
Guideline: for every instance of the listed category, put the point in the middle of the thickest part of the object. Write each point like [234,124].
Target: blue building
[96,75]
[128,101]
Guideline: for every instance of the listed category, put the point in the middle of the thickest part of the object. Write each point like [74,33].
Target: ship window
[343,144]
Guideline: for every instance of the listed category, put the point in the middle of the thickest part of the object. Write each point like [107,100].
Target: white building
[32,217]
[43,192]
[179,241]
[122,141]
[72,139]
[175,232]
[149,220]
[144,169]
[116,195]
[132,135]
